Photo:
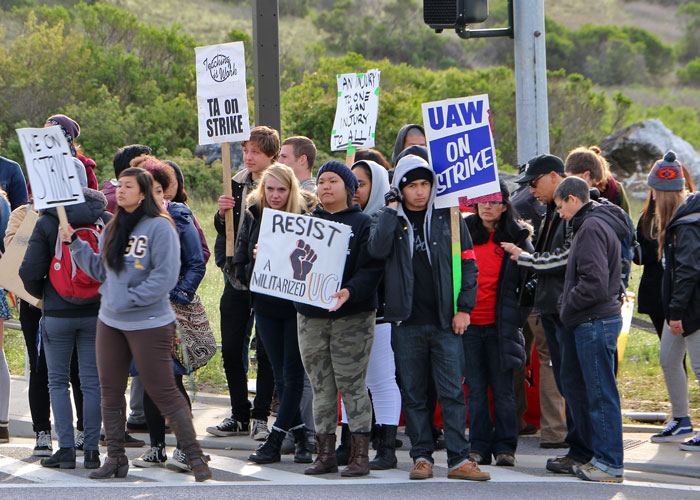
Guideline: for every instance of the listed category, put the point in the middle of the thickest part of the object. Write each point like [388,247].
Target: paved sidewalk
[209,409]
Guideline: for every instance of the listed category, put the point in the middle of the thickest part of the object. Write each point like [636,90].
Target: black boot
[302,453]
[181,423]
[269,451]
[64,458]
[386,452]
[91,460]
[342,453]
[117,464]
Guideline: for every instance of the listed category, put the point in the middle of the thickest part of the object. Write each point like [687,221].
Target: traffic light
[454,14]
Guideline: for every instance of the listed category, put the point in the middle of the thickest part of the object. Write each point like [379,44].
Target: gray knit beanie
[667,174]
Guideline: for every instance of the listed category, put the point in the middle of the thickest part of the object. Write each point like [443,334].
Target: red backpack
[71,282]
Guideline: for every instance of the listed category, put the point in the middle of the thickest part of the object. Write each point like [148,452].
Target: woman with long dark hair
[135,320]
[494,345]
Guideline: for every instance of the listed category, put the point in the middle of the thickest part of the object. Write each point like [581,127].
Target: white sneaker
[259,430]
[43,444]
[155,457]
[178,462]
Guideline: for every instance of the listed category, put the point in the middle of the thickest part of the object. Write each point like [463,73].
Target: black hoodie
[401,140]
[34,270]
[592,283]
[681,282]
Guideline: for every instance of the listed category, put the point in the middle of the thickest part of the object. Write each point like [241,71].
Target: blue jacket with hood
[391,238]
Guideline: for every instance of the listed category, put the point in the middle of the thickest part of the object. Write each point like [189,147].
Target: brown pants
[151,352]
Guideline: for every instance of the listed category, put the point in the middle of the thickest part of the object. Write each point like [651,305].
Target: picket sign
[300,258]
[13,257]
[222,108]
[355,122]
[463,156]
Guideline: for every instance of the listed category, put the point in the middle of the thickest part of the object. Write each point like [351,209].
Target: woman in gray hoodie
[135,320]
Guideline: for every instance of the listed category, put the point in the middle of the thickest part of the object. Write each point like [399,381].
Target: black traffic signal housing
[454,14]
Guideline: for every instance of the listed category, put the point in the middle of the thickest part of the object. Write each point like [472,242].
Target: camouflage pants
[335,353]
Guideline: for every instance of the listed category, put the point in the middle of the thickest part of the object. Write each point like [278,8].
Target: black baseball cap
[541,165]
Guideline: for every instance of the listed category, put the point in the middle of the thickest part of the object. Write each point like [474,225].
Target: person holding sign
[414,238]
[494,343]
[275,318]
[335,344]
[259,152]
[135,321]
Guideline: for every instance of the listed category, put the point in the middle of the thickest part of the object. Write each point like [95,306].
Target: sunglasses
[533,182]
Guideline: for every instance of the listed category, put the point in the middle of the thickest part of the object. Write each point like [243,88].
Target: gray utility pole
[266,66]
[530,79]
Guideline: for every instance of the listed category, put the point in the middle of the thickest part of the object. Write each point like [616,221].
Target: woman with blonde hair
[678,224]
[276,319]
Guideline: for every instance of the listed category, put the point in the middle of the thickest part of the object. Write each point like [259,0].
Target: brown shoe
[422,469]
[325,460]
[469,471]
[359,456]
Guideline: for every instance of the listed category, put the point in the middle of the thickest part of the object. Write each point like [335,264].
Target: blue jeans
[596,343]
[418,348]
[59,337]
[483,370]
[572,386]
[279,336]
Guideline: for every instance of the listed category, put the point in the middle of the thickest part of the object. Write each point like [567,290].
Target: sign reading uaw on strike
[222,101]
[462,151]
[300,258]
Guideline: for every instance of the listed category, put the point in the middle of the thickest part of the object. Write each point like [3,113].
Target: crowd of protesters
[546,264]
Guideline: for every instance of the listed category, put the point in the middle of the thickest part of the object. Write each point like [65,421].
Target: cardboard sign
[50,167]
[355,121]
[222,100]
[462,151]
[13,257]
[300,258]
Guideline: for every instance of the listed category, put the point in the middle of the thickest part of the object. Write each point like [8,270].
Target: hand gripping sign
[300,258]
[462,151]
[222,101]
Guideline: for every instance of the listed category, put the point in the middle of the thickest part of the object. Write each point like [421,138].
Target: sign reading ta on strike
[222,101]
[462,151]
[300,258]
[50,167]
[355,123]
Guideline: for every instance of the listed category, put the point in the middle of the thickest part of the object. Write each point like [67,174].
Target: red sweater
[489,258]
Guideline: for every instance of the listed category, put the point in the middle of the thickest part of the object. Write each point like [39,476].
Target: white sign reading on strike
[222,101]
[50,167]
[355,121]
[462,151]
[300,258]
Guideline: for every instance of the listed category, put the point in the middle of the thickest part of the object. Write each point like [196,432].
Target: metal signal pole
[266,56]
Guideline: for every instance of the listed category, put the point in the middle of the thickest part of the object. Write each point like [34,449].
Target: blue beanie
[343,171]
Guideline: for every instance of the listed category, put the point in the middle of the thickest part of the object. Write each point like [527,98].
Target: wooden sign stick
[62,218]
[228,215]
[456,253]
[350,157]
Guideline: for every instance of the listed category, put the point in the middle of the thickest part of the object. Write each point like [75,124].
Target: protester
[677,224]
[120,162]
[13,183]
[135,267]
[373,184]
[4,315]
[276,319]
[259,152]
[71,130]
[299,153]
[372,155]
[590,308]
[493,342]
[67,324]
[414,238]
[409,135]
[592,167]
[542,288]
[192,269]
[335,344]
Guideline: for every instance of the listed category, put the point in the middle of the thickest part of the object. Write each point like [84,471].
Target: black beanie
[416,174]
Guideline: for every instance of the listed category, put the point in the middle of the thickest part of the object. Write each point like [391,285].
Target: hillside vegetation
[125,70]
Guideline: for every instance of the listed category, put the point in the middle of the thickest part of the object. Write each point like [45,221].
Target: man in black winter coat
[414,238]
[590,311]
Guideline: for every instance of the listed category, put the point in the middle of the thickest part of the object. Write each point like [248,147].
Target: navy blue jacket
[13,183]
[192,265]
[362,273]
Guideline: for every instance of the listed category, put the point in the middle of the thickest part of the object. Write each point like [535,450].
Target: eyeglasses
[490,203]
[533,182]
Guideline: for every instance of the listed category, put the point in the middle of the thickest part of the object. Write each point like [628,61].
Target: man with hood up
[414,238]
[409,135]
[589,308]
